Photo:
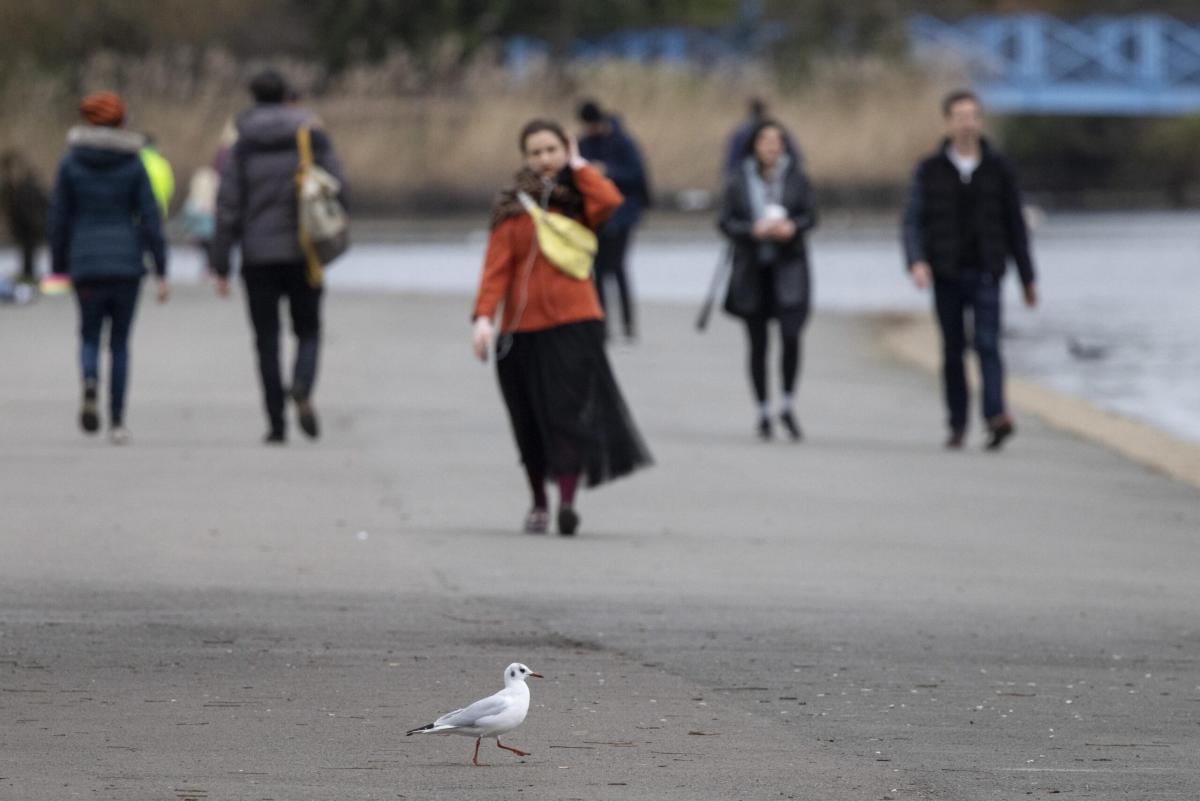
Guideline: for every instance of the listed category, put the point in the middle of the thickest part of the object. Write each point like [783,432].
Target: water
[1119,322]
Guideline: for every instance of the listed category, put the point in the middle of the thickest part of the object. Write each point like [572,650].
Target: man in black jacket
[962,224]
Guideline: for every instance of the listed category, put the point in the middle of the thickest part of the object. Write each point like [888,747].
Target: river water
[1119,322]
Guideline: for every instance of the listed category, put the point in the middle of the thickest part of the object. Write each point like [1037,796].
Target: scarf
[764,192]
[561,193]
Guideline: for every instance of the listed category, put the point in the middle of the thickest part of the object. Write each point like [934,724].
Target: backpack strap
[304,149]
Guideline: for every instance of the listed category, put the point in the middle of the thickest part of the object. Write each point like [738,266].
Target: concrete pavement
[859,617]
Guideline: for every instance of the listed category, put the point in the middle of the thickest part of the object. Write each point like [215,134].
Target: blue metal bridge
[1104,65]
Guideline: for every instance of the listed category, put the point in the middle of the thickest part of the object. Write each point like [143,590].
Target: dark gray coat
[256,205]
[788,279]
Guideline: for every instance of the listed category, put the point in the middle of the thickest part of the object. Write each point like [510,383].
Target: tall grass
[414,139]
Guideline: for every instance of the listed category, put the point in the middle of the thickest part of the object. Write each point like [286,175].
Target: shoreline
[912,339]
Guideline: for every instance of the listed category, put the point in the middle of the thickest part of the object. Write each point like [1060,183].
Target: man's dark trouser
[28,261]
[115,301]
[953,298]
[610,261]
[266,285]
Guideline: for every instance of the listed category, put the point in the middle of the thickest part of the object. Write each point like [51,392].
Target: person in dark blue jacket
[103,220]
[757,113]
[609,148]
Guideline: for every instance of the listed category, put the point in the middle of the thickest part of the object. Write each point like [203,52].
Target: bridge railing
[1146,64]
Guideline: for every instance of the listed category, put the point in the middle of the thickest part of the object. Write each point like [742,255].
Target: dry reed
[409,140]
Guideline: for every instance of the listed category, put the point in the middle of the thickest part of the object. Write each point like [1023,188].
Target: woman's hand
[573,157]
[783,230]
[162,290]
[774,230]
[481,339]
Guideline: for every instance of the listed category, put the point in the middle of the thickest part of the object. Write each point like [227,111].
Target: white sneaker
[119,435]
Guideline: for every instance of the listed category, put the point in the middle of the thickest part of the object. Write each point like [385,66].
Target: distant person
[200,209]
[257,208]
[962,223]
[103,219]
[757,112]
[162,177]
[766,211]
[25,206]
[606,144]
[567,413]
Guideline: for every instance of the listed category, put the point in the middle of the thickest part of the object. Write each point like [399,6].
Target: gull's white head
[516,672]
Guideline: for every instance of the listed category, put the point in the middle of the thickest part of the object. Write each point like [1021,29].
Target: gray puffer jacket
[256,205]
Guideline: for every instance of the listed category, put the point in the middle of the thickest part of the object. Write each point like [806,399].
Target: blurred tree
[348,31]
[56,34]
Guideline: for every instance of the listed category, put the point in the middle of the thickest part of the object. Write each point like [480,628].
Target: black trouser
[610,262]
[266,285]
[28,260]
[791,323]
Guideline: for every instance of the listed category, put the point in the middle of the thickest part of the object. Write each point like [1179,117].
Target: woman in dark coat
[24,203]
[766,210]
[103,220]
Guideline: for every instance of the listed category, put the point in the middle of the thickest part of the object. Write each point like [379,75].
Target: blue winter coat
[103,216]
[623,166]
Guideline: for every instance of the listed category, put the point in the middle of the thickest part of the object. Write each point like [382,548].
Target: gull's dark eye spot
[512,673]
[522,670]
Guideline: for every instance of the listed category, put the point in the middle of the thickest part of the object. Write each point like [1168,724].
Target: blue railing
[1132,65]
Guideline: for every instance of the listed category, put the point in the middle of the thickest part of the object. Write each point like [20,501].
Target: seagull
[489,717]
[1086,351]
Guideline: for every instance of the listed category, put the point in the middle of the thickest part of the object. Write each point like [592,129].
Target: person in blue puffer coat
[609,147]
[103,221]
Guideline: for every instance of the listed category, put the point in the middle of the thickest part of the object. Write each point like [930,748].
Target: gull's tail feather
[420,729]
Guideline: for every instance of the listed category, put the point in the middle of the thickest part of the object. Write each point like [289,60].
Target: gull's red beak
[533,675]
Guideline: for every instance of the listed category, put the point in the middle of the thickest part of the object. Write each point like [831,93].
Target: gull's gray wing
[471,715]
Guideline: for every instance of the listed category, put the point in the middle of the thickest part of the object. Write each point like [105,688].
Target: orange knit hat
[103,108]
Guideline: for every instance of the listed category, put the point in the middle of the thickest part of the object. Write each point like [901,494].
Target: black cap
[589,112]
[268,86]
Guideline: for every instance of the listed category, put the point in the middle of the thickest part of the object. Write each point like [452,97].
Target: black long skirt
[566,409]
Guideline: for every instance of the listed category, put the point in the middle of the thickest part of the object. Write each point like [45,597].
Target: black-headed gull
[489,717]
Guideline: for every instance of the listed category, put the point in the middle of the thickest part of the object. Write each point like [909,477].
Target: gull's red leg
[475,759]
[514,750]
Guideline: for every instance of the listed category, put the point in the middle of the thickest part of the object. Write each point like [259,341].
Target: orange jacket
[536,294]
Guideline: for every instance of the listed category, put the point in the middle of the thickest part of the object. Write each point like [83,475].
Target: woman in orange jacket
[567,413]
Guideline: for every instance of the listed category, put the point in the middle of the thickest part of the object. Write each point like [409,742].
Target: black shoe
[89,412]
[765,433]
[306,415]
[793,428]
[568,521]
[955,441]
[999,429]
[275,438]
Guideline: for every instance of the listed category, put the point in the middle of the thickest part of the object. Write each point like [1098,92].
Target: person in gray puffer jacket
[257,209]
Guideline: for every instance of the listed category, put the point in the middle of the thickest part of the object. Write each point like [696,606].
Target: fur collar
[104,138]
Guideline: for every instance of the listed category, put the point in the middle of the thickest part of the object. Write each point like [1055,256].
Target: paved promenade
[864,616]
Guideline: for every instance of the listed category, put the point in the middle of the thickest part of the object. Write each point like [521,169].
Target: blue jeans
[980,295]
[115,301]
